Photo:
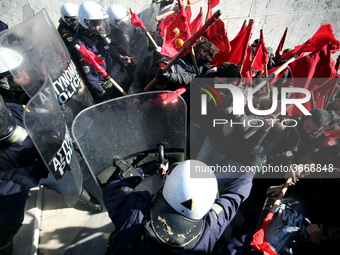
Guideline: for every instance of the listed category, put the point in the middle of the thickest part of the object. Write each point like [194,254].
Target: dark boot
[7,249]
[90,202]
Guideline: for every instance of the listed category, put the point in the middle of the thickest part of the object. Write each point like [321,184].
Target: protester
[183,71]
[311,135]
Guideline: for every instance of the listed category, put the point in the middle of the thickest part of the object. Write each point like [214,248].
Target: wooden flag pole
[146,32]
[276,72]
[186,46]
[281,195]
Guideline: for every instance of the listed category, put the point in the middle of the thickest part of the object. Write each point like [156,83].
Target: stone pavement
[51,227]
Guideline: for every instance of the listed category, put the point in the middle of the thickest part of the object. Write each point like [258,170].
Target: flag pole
[276,72]
[263,83]
[186,46]
[146,32]
[281,195]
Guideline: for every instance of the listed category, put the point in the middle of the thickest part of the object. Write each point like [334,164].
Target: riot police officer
[67,23]
[186,217]
[21,168]
[121,32]
[92,32]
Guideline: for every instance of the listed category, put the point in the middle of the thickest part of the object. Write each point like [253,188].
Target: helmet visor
[172,228]
[99,26]
[71,21]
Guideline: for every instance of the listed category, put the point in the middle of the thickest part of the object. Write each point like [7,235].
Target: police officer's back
[185,217]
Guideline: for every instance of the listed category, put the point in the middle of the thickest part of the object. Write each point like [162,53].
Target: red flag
[94,60]
[331,136]
[318,97]
[325,90]
[189,14]
[294,110]
[247,73]
[175,33]
[197,23]
[322,37]
[213,3]
[165,22]
[237,47]
[169,97]
[259,240]
[243,28]
[260,54]
[136,21]
[280,46]
[218,36]
[318,64]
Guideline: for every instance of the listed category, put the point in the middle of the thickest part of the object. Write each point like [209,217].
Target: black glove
[127,171]
[162,76]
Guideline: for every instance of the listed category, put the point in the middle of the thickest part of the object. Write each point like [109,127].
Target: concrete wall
[302,17]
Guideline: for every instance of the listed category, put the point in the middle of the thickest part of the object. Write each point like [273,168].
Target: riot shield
[131,127]
[45,124]
[148,16]
[131,41]
[36,40]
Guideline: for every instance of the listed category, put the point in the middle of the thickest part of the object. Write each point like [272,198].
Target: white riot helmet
[118,15]
[94,18]
[178,210]
[69,14]
[9,60]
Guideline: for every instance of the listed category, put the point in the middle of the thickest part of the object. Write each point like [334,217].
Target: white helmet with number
[188,194]
[69,14]
[94,18]
[118,15]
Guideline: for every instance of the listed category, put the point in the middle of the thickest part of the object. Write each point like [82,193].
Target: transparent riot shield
[36,40]
[148,16]
[131,128]
[45,124]
[132,42]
